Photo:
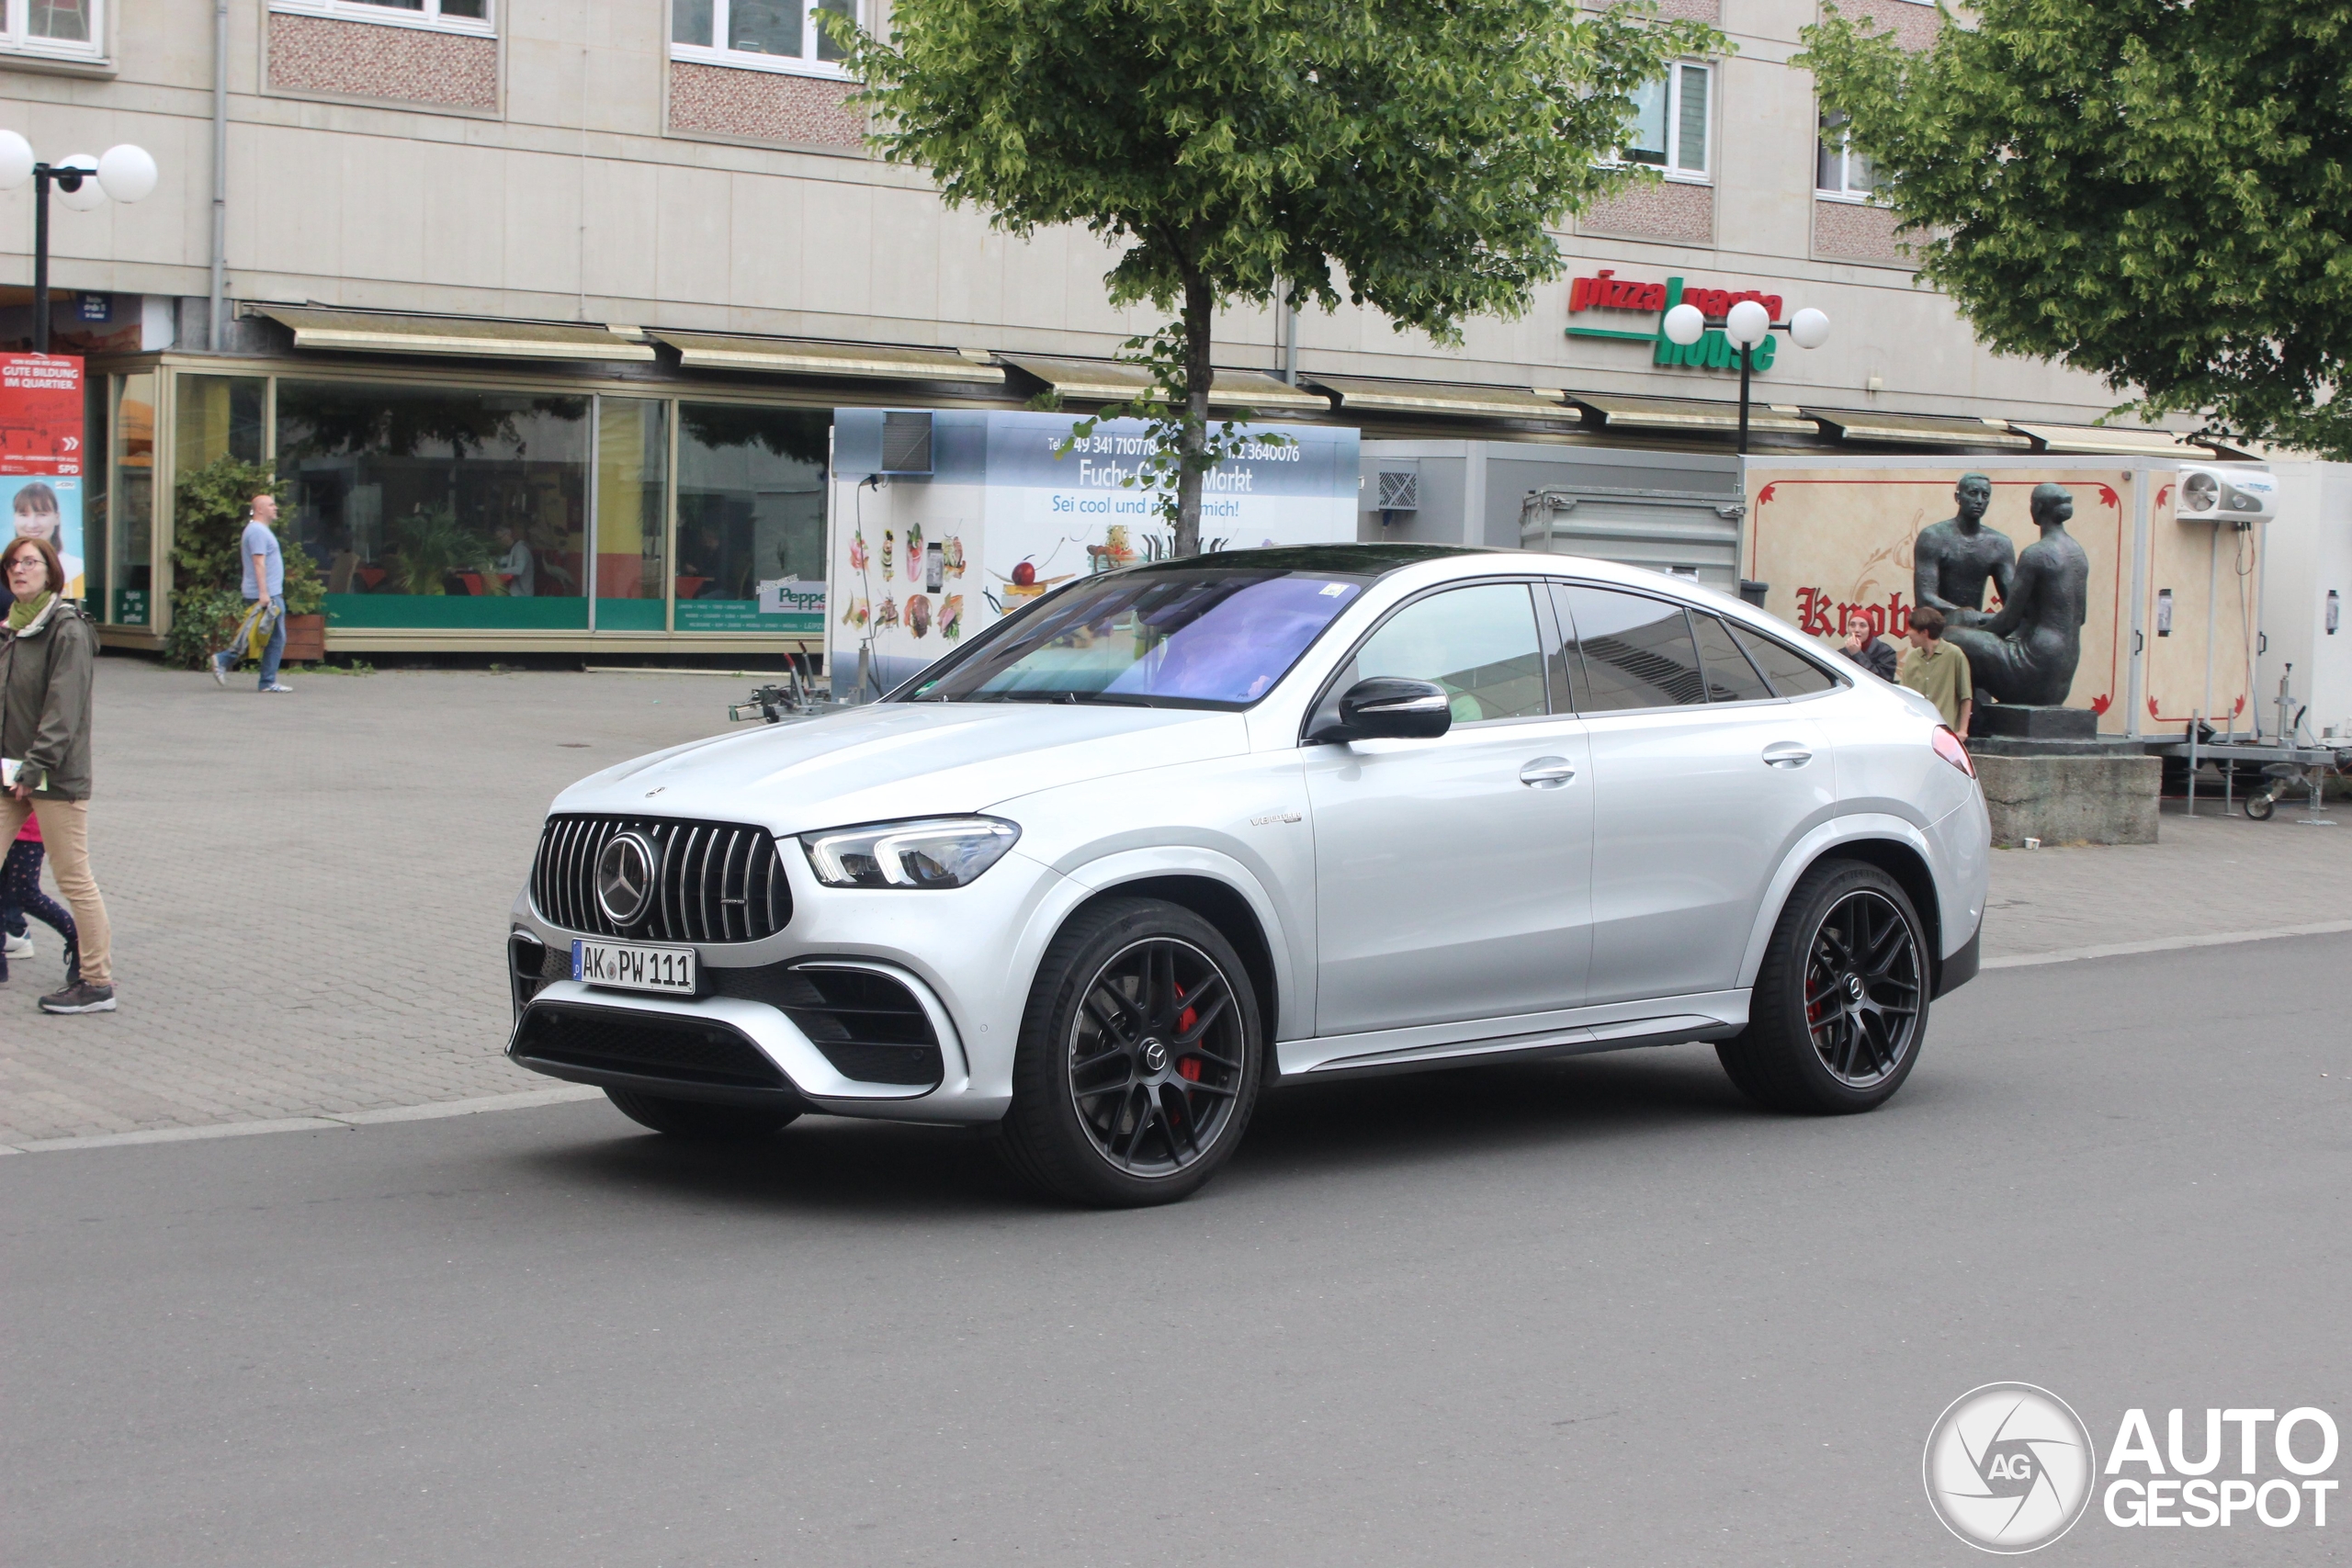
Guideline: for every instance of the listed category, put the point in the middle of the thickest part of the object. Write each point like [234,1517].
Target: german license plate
[626,966]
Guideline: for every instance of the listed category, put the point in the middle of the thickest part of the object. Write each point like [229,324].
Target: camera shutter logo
[624,879]
[2009,1467]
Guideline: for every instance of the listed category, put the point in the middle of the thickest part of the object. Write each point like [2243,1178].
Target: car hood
[890,760]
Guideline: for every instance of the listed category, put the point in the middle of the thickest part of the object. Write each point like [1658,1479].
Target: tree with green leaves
[2153,191]
[1408,154]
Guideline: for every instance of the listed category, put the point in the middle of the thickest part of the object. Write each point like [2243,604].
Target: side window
[1730,677]
[1636,652]
[1480,644]
[1790,673]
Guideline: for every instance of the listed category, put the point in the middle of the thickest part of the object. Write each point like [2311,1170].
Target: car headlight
[934,851]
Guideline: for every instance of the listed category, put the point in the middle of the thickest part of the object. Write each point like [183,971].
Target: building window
[449,16]
[60,29]
[445,509]
[765,35]
[751,509]
[1839,172]
[1669,131]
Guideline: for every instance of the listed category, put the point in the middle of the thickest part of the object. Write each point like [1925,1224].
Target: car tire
[1840,1005]
[1139,1058]
[698,1119]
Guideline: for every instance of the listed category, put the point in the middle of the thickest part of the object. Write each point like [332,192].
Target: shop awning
[1441,399]
[2100,440]
[798,357]
[1916,429]
[365,332]
[1691,416]
[1110,381]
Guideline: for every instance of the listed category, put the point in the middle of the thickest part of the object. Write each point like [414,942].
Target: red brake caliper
[1187,1067]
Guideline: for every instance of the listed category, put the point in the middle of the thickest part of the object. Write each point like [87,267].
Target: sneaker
[281,686]
[18,946]
[219,676]
[80,997]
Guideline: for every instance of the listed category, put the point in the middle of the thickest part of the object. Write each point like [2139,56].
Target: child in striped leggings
[20,895]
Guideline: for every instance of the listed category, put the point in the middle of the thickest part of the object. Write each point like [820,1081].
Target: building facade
[541,306]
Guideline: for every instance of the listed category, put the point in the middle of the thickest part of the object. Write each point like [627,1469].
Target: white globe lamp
[1685,324]
[1809,328]
[16,160]
[89,196]
[1747,324]
[127,172]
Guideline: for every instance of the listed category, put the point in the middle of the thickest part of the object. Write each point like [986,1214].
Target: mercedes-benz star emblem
[625,878]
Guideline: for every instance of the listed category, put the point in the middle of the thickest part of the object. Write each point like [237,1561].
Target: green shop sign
[1607,291]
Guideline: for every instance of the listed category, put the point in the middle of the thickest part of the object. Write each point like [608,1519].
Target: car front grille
[645,1045]
[867,1024]
[714,882]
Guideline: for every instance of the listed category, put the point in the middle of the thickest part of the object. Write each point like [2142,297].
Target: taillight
[1949,748]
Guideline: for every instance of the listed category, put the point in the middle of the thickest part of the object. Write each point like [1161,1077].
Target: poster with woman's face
[48,508]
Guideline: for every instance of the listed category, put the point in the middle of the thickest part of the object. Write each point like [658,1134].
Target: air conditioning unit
[2215,493]
[906,443]
[1400,490]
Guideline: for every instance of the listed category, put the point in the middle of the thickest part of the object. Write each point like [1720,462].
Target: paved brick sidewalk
[309,893]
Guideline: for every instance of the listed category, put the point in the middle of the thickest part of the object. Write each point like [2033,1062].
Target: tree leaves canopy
[2154,191]
[1424,146]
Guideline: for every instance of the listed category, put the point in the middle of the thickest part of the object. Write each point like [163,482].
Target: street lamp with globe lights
[84,184]
[1745,324]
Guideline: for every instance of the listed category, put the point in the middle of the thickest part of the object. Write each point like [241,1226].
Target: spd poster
[40,454]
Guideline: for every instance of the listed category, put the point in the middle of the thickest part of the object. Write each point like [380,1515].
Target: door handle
[1547,772]
[1786,754]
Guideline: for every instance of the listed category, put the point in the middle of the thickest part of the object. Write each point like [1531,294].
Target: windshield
[1203,637]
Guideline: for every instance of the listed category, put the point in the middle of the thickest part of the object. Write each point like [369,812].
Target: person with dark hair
[1937,671]
[47,656]
[1872,653]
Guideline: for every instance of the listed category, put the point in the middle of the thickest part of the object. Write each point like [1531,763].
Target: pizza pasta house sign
[1607,291]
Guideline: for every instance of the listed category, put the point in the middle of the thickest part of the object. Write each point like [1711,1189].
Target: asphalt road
[1595,1311]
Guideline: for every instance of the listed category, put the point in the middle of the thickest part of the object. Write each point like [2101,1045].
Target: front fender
[1849,829]
[1286,944]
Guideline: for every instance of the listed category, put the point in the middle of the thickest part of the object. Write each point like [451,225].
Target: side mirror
[1389,707]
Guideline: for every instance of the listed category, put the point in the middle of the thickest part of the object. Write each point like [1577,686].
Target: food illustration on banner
[951,617]
[919,615]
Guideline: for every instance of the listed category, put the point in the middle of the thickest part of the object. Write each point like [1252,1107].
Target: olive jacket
[45,675]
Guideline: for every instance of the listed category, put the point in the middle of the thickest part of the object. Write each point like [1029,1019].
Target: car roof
[1341,560]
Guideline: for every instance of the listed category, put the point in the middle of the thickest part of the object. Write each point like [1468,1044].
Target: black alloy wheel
[1138,1061]
[1156,1056]
[1840,1004]
[1863,988]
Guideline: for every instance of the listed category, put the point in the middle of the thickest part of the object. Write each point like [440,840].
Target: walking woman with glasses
[46,657]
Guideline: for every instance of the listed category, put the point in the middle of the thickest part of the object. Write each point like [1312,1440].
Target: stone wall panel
[368,60]
[1915,26]
[1664,211]
[763,106]
[1856,231]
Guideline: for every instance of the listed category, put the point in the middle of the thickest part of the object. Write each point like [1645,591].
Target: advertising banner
[921,560]
[40,454]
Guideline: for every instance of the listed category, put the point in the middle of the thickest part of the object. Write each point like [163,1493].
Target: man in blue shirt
[264,590]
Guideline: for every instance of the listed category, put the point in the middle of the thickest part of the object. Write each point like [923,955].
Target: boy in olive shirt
[1937,671]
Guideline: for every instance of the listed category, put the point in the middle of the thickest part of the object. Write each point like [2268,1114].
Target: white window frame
[1845,190]
[16,35]
[803,64]
[428,19]
[1705,173]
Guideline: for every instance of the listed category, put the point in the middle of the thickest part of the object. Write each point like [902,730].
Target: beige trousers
[65,834]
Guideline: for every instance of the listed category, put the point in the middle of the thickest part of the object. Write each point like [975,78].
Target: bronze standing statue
[1954,560]
[2028,652]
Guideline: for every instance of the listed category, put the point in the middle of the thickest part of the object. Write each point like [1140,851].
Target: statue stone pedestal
[2082,788]
[2031,721]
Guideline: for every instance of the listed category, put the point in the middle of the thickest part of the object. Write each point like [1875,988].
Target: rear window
[1636,652]
[1730,677]
[1790,673]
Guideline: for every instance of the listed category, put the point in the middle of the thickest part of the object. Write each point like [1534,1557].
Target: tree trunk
[1199,316]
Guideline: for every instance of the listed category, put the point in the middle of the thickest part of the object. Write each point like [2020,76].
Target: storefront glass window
[131,501]
[632,464]
[98,476]
[437,508]
[215,417]
[751,510]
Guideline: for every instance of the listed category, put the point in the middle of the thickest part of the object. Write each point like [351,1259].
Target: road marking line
[328,1122]
[2164,944]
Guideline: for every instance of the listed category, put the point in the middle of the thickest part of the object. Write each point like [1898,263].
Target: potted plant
[207,604]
